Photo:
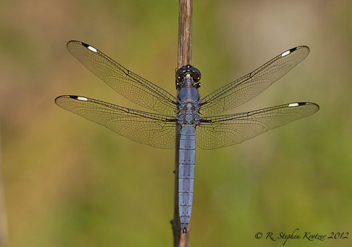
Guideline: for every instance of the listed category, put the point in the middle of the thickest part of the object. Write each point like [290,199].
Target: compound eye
[196,77]
[180,72]
[181,75]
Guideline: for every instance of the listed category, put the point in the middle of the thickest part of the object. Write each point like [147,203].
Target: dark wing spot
[85,45]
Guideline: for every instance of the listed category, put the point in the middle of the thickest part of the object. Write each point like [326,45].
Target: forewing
[123,81]
[147,128]
[247,87]
[227,130]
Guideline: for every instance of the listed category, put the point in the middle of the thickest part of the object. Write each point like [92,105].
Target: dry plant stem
[3,222]
[183,58]
[185,33]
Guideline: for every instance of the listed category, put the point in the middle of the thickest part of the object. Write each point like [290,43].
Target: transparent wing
[147,128]
[247,87]
[226,130]
[123,81]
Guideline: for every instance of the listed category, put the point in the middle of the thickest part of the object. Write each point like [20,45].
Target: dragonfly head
[185,71]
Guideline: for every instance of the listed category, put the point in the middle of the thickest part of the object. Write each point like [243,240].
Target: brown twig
[184,57]
[3,222]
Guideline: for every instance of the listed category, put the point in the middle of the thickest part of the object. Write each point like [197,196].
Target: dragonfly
[187,119]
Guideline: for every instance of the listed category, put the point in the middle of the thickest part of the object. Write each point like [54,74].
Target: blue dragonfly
[194,119]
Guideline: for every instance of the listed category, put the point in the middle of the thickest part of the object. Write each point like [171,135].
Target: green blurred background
[69,182]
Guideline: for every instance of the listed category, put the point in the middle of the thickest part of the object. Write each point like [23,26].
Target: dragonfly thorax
[188,96]
[188,92]
[188,113]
